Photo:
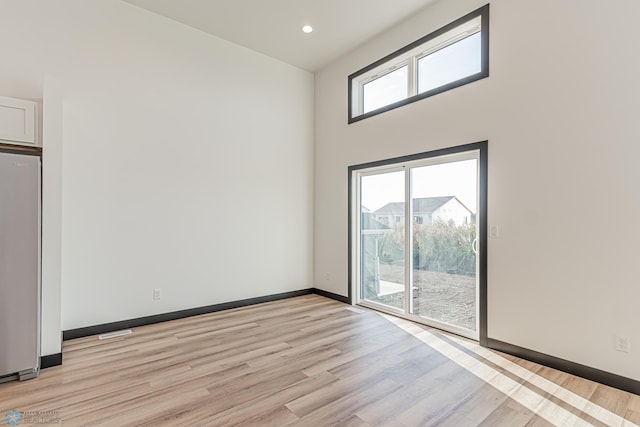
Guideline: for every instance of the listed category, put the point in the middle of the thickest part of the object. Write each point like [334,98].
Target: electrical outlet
[623,343]
[327,276]
[157,293]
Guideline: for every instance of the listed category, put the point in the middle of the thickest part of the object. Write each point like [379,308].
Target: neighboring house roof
[420,205]
[373,226]
[394,208]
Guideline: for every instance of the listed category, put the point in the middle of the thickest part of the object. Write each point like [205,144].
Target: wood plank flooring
[307,361]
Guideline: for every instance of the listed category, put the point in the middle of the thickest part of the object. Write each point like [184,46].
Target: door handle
[474,246]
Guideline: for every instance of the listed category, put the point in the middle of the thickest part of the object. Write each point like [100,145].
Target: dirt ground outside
[448,298]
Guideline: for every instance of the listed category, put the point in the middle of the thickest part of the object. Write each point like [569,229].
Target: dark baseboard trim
[50,360]
[593,374]
[149,320]
[331,295]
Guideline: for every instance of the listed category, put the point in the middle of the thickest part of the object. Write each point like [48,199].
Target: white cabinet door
[17,121]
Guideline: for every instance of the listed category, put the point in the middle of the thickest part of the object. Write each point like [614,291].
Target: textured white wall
[169,142]
[559,111]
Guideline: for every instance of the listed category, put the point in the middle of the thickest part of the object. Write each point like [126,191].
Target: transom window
[452,56]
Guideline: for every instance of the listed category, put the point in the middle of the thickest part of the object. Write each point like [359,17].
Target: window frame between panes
[410,55]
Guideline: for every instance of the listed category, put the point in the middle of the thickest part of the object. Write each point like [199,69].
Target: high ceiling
[273,27]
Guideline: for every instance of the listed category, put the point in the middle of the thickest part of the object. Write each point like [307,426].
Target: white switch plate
[494,232]
[623,343]
[157,293]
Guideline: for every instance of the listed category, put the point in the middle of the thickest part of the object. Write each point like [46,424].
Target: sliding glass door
[444,231]
[417,240]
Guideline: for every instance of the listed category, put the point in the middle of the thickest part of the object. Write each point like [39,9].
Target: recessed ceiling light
[307,29]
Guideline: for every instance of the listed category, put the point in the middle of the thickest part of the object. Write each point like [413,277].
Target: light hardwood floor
[307,361]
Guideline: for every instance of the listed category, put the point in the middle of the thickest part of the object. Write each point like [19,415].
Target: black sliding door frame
[353,209]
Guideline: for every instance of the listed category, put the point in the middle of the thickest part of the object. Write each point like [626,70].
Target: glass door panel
[444,246]
[382,239]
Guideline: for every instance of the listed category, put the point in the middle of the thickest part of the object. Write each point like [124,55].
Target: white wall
[51,218]
[560,113]
[168,143]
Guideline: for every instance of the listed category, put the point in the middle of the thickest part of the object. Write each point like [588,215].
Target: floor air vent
[115,334]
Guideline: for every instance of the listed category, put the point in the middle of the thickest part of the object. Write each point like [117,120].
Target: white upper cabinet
[18,121]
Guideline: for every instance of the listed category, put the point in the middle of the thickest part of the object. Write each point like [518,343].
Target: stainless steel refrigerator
[19,265]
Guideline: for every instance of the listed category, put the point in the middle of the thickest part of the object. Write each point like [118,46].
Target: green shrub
[441,246]
[391,246]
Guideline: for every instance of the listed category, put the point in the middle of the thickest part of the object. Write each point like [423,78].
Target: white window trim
[464,27]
